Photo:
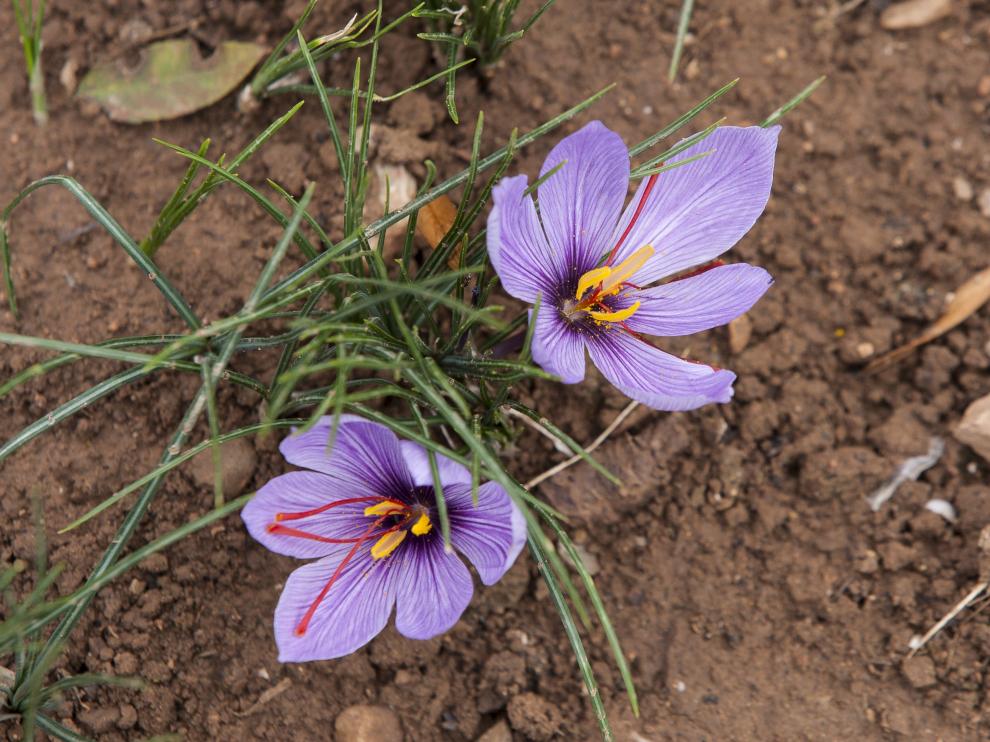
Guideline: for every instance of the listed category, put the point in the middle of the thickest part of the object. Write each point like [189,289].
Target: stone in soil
[974,428]
[237,462]
[364,723]
[534,717]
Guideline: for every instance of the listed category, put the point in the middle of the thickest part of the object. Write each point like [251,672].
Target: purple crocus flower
[366,510]
[592,263]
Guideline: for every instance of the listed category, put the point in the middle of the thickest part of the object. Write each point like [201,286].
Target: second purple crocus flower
[366,510]
[593,264]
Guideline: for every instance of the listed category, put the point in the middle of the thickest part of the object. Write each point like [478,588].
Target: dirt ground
[758,595]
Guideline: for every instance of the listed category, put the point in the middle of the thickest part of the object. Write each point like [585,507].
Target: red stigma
[700,269]
[300,629]
[324,508]
[635,217]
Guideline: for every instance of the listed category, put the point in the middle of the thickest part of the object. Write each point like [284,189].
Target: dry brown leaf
[434,221]
[968,298]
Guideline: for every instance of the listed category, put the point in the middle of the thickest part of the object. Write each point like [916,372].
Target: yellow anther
[422,526]
[619,316]
[589,279]
[626,269]
[387,544]
[386,507]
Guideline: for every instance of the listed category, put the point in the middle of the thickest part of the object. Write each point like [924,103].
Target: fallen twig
[554,470]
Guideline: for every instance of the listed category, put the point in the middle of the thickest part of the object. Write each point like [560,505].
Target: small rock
[974,428]
[237,461]
[914,14]
[867,562]
[68,75]
[396,185]
[740,331]
[589,560]
[984,202]
[919,671]
[99,720]
[128,716]
[534,717]
[896,555]
[125,663]
[865,349]
[414,111]
[962,188]
[500,732]
[983,87]
[363,723]
[156,563]
[285,162]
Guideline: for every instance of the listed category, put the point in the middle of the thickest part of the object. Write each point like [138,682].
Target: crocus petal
[519,251]
[654,378]
[580,203]
[698,303]
[355,609]
[434,588]
[364,454]
[300,491]
[698,211]
[491,534]
[418,463]
[558,346]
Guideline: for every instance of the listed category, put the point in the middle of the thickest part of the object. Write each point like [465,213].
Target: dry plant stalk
[984,546]
[969,297]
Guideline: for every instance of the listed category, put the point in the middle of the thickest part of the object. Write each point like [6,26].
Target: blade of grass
[113,228]
[793,103]
[687,7]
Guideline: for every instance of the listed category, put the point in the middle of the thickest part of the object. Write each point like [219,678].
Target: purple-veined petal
[698,211]
[698,303]
[419,466]
[353,612]
[434,587]
[491,534]
[364,454]
[581,202]
[301,491]
[558,346]
[519,251]
[655,378]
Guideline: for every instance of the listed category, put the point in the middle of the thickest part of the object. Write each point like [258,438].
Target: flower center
[397,534]
[598,283]
[404,518]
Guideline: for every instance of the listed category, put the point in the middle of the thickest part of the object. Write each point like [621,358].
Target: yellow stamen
[589,279]
[387,544]
[422,526]
[625,270]
[619,316]
[386,507]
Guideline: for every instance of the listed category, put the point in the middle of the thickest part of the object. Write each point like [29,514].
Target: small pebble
[865,350]
[914,14]
[128,716]
[962,188]
[500,732]
[974,428]
[984,202]
[237,462]
[740,331]
[99,720]
[983,87]
[363,723]
[919,671]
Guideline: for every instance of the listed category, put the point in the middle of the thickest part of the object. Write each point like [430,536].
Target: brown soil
[758,595]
